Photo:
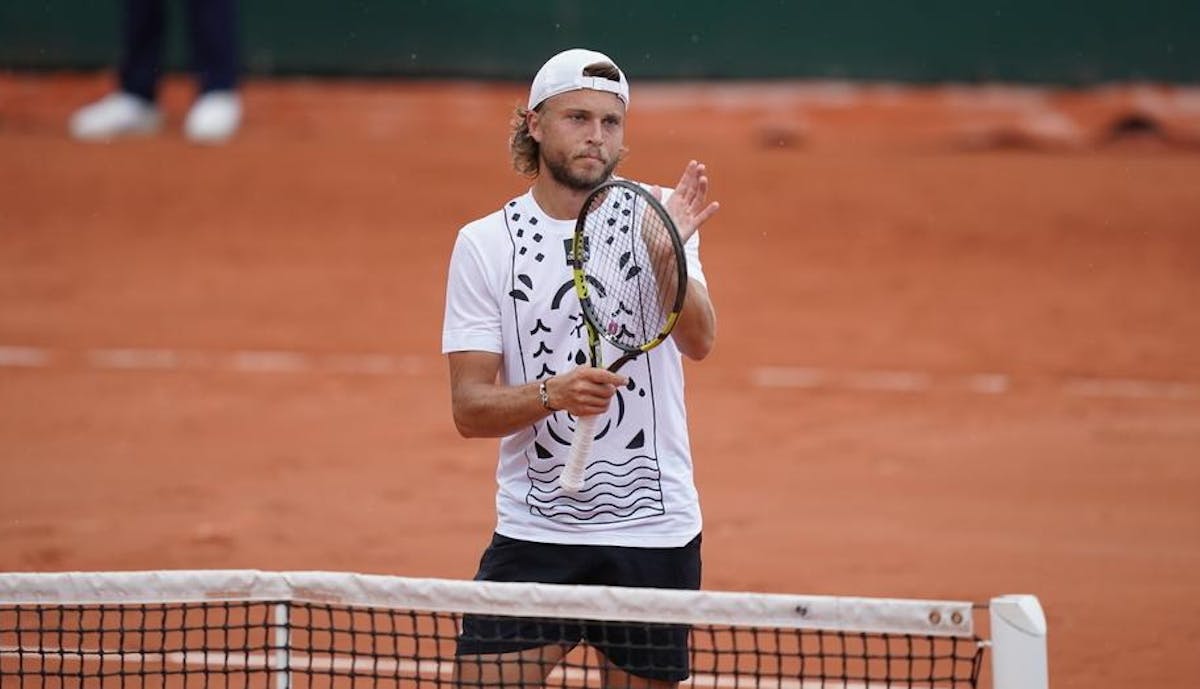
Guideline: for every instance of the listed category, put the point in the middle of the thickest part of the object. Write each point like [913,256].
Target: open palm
[689,206]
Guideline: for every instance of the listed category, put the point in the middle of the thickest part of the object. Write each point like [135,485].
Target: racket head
[629,267]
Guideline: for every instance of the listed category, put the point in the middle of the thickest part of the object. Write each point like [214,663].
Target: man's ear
[533,122]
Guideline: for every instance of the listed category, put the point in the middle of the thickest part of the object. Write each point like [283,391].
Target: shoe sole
[148,130]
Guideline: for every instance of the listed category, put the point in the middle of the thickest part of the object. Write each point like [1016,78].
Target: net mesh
[397,642]
[630,260]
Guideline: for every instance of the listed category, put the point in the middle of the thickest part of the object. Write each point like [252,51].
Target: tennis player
[519,371]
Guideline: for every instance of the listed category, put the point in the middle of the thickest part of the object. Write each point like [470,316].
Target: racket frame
[579,247]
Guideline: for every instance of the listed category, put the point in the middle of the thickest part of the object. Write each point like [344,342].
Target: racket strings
[631,265]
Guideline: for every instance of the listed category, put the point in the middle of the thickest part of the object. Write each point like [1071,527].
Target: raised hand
[689,206]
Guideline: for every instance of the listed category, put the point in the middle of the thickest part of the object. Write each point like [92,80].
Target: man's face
[580,134]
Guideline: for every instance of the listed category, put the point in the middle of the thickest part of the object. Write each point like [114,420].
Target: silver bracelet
[544,395]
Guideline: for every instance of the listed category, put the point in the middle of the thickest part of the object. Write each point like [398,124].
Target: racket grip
[571,478]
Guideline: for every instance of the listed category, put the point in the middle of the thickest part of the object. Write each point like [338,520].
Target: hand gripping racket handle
[571,478]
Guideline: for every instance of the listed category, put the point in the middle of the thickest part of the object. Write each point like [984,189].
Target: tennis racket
[631,277]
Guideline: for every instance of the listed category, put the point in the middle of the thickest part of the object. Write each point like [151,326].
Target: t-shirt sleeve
[472,320]
[691,249]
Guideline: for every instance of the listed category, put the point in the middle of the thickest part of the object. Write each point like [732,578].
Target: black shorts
[651,651]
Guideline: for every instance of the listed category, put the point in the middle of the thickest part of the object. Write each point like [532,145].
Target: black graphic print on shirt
[622,478]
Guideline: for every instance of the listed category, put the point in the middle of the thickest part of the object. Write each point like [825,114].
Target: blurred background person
[133,110]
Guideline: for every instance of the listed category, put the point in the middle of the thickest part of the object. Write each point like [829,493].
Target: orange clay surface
[959,349]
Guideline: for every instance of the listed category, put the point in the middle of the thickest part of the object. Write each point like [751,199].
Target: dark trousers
[212,31]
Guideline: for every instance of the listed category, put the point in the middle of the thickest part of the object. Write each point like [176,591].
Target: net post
[280,643]
[1018,630]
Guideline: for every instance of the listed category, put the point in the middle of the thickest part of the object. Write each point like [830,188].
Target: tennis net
[295,630]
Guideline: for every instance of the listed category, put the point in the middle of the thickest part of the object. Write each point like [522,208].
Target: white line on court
[766,377]
[1132,389]
[244,361]
[134,359]
[373,364]
[271,362]
[787,377]
[887,381]
[988,383]
[809,378]
[23,357]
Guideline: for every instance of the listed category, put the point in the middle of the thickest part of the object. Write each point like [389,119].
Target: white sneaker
[117,114]
[214,117]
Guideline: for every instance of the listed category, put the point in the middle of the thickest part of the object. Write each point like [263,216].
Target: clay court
[959,349]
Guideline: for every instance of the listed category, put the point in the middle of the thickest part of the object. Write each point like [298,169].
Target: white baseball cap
[564,72]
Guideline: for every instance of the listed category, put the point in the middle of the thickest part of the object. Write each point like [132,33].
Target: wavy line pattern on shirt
[646,507]
[613,491]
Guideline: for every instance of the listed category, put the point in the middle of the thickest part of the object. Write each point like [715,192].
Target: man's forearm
[490,410]
[696,332]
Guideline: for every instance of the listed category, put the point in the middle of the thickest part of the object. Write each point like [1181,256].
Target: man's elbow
[463,429]
[465,422]
[698,348]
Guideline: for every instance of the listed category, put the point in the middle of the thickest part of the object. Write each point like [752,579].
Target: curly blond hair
[526,154]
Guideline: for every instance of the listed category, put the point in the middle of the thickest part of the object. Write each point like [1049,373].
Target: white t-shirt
[510,292]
